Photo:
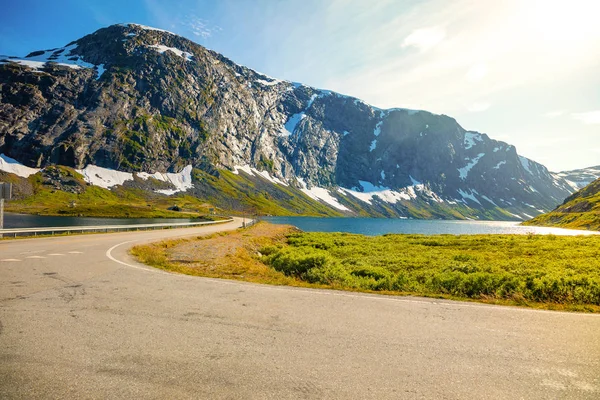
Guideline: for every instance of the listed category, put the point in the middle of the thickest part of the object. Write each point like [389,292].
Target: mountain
[145,102]
[579,178]
[579,211]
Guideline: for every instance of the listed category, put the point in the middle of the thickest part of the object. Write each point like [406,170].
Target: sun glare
[557,23]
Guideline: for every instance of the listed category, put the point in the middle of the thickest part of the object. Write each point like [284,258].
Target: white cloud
[477,72]
[589,118]
[478,107]
[201,27]
[554,114]
[425,38]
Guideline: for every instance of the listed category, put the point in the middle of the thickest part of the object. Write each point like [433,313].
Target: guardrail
[103,228]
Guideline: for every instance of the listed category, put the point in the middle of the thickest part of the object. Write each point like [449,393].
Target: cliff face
[133,98]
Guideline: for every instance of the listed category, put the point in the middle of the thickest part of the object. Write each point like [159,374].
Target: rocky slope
[138,99]
[579,211]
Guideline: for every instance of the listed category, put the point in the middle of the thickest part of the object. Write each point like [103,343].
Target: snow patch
[501,163]
[63,57]
[266,83]
[525,164]
[290,126]
[161,49]
[267,176]
[471,138]
[373,145]
[318,193]
[488,199]
[413,180]
[181,180]
[464,171]
[388,195]
[254,172]
[11,165]
[245,168]
[377,130]
[101,70]
[31,64]
[382,175]
[468,195]
[104,177]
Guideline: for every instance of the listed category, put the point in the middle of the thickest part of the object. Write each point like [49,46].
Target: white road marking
[109,255]
[10,259]
[35,257]
[75,252]
[56,254]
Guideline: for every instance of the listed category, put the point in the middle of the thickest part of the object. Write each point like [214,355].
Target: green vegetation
[255,195]
[93,201]
[579,211]
[554,272]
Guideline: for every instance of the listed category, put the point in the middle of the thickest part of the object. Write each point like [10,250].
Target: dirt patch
[231,255]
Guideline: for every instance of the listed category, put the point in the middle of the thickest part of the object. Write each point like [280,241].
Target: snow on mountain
[154,113]
[161,49]
[11,165]
[580,178]
[63,56]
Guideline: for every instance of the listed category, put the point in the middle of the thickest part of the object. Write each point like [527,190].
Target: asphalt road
[80,319]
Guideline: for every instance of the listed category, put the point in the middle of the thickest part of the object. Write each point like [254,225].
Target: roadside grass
[551,272]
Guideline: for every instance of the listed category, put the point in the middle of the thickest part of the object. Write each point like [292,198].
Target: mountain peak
[140,99]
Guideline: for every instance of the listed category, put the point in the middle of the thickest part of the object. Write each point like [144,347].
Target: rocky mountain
[141,100]
[579,211]
[579,178]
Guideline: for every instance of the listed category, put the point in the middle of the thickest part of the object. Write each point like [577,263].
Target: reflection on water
[37,221]
[380,226]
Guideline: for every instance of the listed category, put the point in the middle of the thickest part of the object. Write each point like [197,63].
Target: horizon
[553,106]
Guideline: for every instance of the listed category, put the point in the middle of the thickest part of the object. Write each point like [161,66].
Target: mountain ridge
[581,210]
[137,99]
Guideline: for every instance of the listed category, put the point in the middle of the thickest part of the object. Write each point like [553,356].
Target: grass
[94,201]
[581,210]
[551,272]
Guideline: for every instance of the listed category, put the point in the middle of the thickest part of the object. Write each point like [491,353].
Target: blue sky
[522,71]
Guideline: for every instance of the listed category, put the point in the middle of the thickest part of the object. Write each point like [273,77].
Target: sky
[522,71]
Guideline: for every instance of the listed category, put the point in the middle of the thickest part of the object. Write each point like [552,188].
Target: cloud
[554,114]
[201,27]
[588,118]
[477,72]
[425,38]
[478,107]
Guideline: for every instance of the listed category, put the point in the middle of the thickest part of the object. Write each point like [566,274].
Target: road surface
[80,319]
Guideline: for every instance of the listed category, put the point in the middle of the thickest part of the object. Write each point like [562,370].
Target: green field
[556,272]
[33,196]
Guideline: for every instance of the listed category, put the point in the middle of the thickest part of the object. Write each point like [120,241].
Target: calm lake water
[38,221]
[380,226]
[365,226]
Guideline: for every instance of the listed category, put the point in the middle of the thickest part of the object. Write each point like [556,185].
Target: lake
[380,226]
[39,221]
[365,226]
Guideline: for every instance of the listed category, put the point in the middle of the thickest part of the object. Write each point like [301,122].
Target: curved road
[80,319]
